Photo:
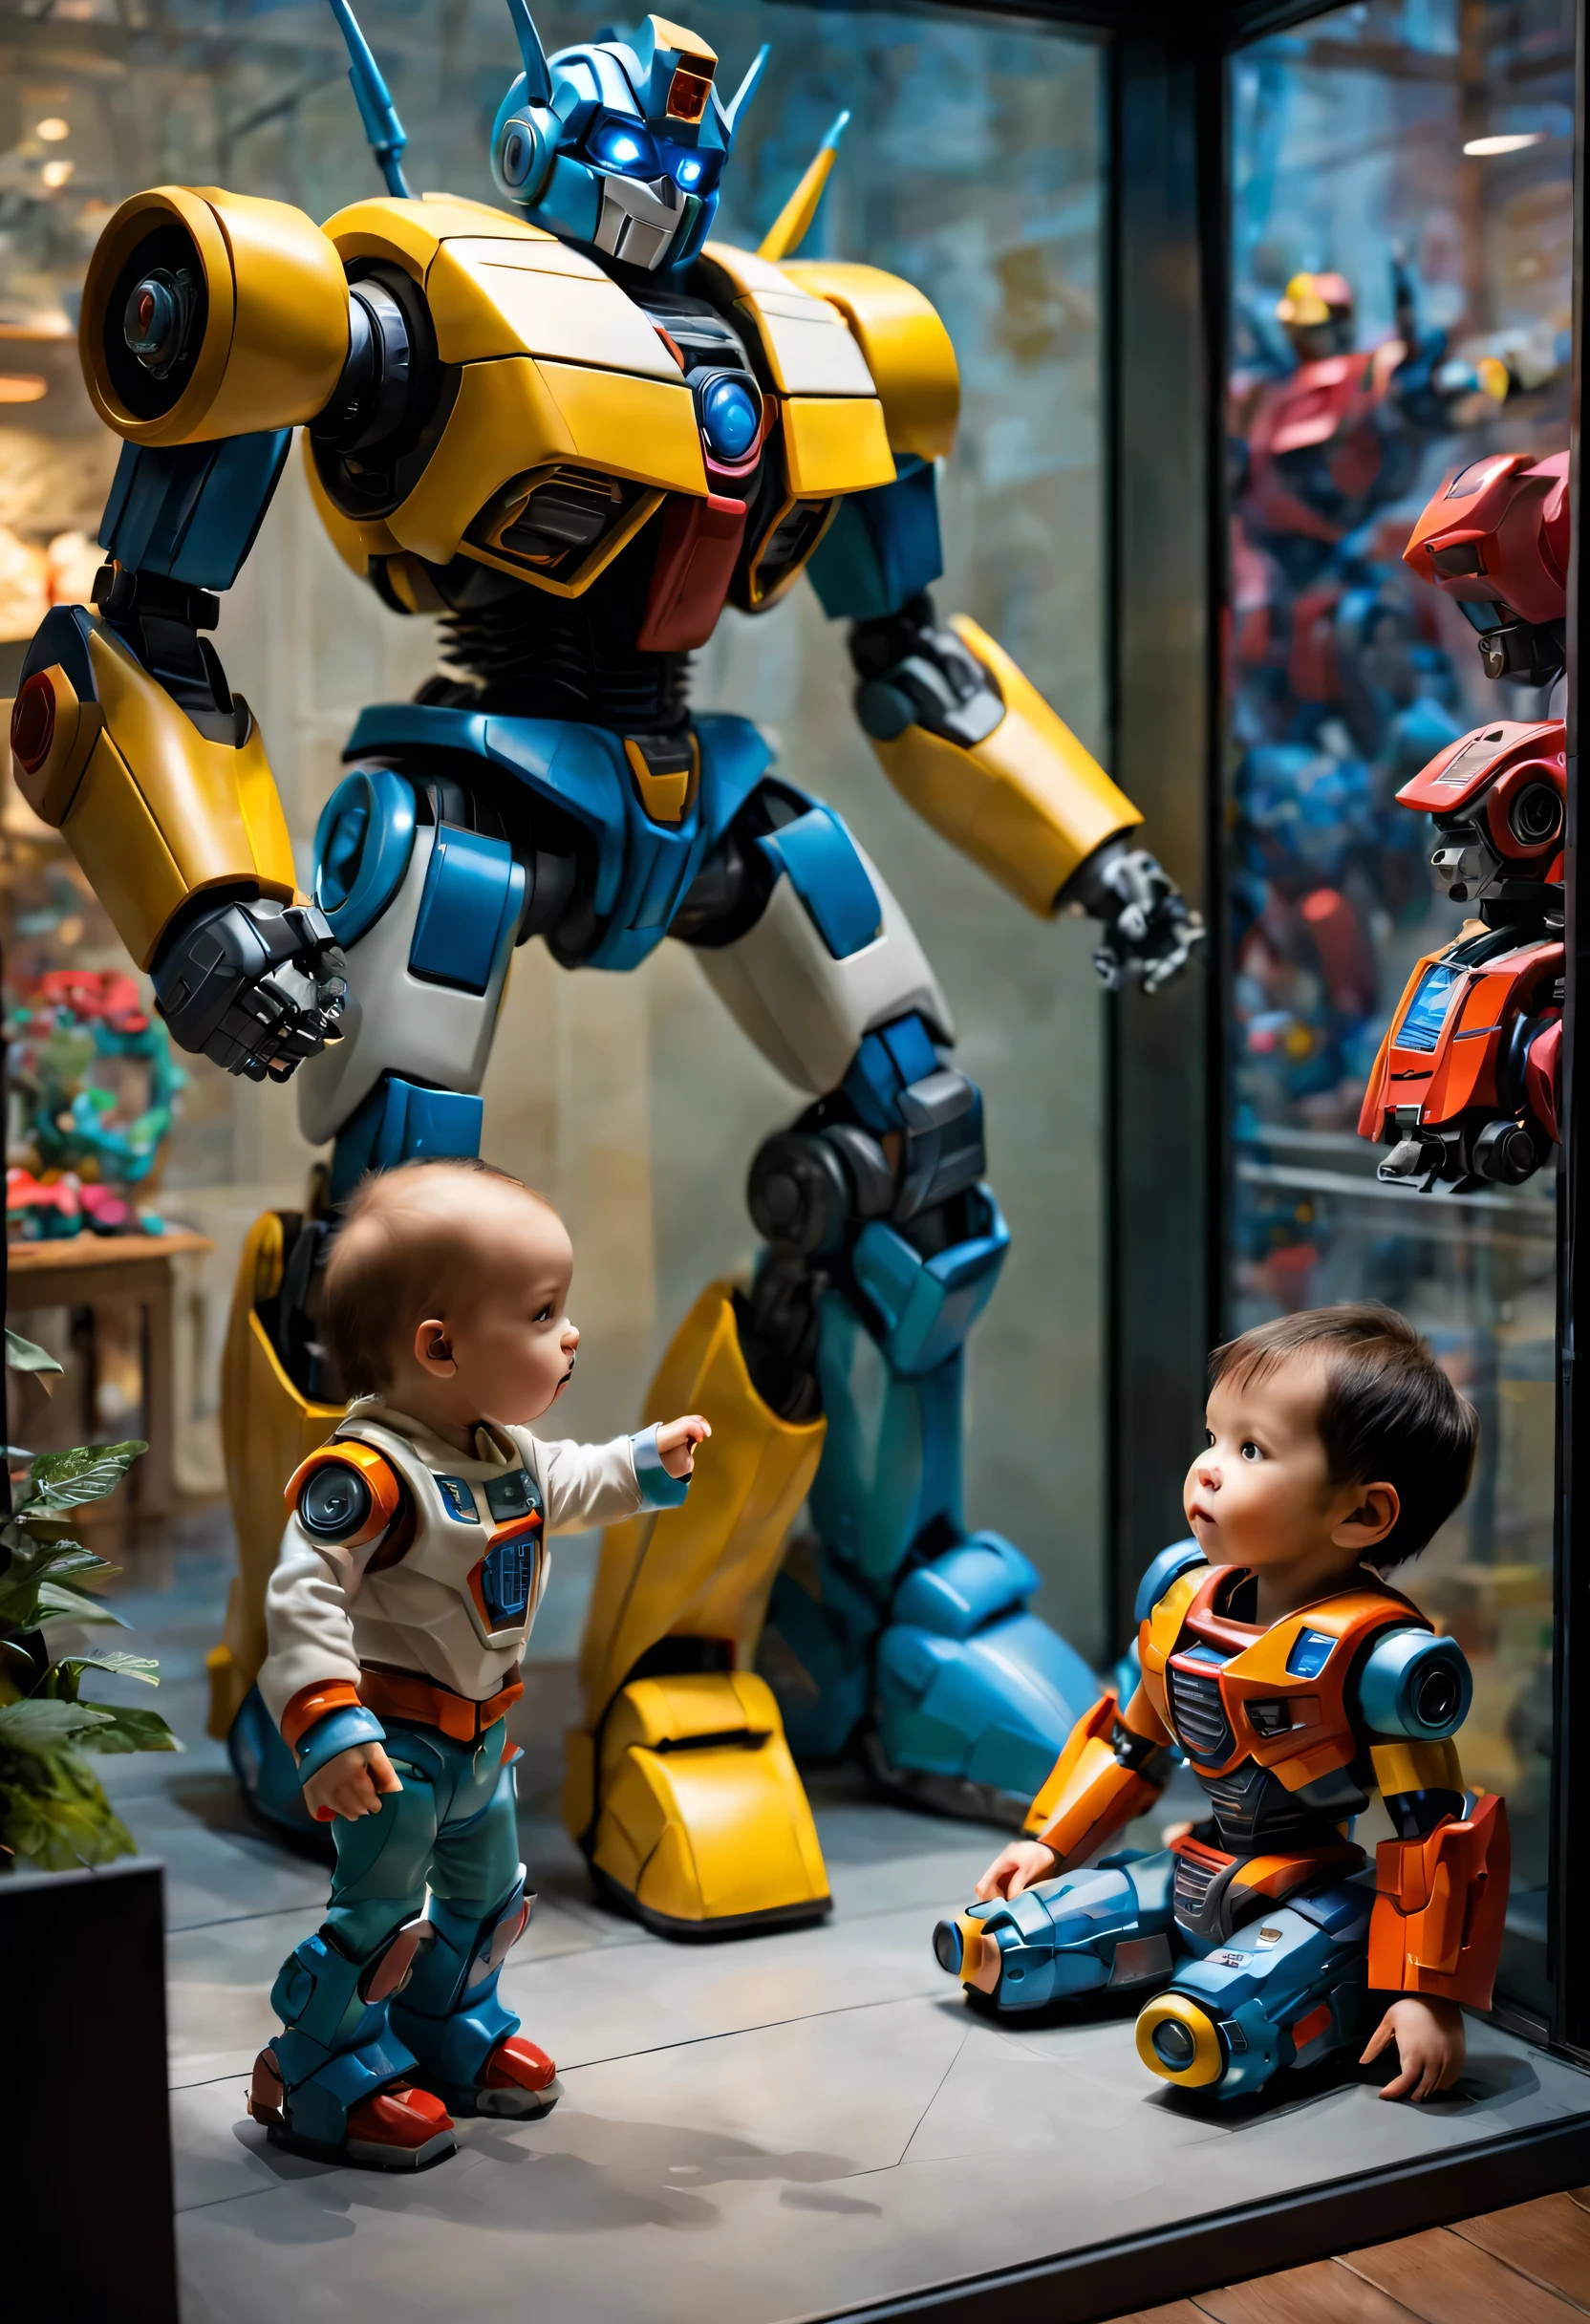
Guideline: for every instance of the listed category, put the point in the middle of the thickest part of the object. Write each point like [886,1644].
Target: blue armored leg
[1109,1926]
[327,2081]
[466,2042]
[1286,1989]
[917,1639]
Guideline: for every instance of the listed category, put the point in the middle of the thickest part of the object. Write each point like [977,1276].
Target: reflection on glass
[1401,282]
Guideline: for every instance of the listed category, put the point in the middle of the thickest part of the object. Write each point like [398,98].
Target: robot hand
[256,987]
[1149,931]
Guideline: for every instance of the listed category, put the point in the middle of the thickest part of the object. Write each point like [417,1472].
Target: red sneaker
[399,2129]
[517,2079]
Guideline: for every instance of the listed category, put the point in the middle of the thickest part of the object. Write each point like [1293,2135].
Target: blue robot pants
[1286,1988]
[349,2029]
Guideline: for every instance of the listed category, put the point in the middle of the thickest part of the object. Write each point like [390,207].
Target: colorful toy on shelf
[409,1576]
[1296,1681]
[76,1038]
[1465,1087]
[576,428]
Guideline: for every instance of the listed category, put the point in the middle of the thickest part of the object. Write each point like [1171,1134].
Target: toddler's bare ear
[433,1349]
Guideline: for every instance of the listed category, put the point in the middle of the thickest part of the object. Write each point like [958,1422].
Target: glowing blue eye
[730,418]
[688,170]
[616,145]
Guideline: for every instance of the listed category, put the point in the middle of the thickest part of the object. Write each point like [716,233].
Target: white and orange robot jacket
[409,1576]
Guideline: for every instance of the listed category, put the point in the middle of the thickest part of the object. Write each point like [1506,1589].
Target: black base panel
[1109,2280]
[705,1933]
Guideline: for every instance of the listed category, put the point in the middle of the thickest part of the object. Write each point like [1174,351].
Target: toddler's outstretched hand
[1430,2040]
[350,1785]
[677,1440]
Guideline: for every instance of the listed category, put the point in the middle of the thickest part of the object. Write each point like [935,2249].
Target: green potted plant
[53,1813]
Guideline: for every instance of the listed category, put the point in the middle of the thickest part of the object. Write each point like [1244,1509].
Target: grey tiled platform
[795,2126]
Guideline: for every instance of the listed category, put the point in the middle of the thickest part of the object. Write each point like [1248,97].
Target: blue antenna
[377,109]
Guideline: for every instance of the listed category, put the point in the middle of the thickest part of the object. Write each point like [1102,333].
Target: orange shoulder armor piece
[345,1494]
[1439,1905]
[1091,1791]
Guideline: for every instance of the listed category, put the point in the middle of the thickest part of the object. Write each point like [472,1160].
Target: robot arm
[1441,1883]
[212,325]
[1114,1767]
[963,735]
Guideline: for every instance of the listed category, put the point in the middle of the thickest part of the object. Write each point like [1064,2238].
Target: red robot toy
[1465,1087]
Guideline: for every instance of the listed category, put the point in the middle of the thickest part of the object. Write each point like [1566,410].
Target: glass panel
[1421,153]
[971,166]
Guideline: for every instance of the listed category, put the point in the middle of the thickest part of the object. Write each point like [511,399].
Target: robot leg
[1285,1989]
[427,911]
[334,2079]
[467,2043]
[901,1631]
[1109,1926]
[715,1836]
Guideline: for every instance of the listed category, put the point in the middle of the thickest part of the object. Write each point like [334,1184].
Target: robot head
[616,146]
[1499,798]
[1317,315]
[1495,540]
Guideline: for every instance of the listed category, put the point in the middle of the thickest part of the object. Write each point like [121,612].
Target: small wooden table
[117,1270]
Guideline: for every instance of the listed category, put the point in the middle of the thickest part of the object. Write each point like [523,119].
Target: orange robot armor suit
[1260,1925]
[1465,1087]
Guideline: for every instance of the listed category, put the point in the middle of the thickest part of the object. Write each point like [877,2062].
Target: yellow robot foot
[680,1788]
[703,1829]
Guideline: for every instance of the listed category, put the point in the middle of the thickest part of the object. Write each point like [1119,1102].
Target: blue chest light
[730,419]
[1311,1650]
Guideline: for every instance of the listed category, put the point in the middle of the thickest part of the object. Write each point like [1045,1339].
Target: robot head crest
[618,144]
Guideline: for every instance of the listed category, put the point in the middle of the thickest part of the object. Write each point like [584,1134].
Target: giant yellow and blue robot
[575,428]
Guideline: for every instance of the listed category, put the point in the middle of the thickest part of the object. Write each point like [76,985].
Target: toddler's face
[511,1340]
[1259,1494]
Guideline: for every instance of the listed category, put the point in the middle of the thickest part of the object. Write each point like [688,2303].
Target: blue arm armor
[882,550]
[1167,1567]
[191,513]
[1416,1685]
[658,1490]
[338,1731]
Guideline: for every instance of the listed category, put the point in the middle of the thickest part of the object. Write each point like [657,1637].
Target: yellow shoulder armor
[905,346]
[554,377]
[275,330]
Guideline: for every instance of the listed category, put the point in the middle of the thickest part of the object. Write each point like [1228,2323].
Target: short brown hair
[375,1282]
[1389,1412]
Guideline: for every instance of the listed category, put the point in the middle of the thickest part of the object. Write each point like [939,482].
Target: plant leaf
[53,1599]
[65,1480]
[129,1730]
[26,1355]
[42,1727]
[120,1666]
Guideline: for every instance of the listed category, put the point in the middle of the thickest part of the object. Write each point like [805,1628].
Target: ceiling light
[52,130]
[22,387]
[1516,144]
[56,173]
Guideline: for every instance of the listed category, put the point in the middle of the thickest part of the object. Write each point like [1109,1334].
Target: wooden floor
[1530,2265]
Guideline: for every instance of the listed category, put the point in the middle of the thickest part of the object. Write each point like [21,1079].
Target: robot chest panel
[483,1538]
[1260,1708]
[1450,1037]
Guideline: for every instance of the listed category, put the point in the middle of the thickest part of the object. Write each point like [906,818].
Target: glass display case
[1401,305]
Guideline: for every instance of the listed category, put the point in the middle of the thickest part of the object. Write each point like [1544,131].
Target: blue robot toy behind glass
[575,430]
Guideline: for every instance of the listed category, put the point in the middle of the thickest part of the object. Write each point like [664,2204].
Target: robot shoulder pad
[1168,1566]
[345,1494]
[1413,1684]
[906,345]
